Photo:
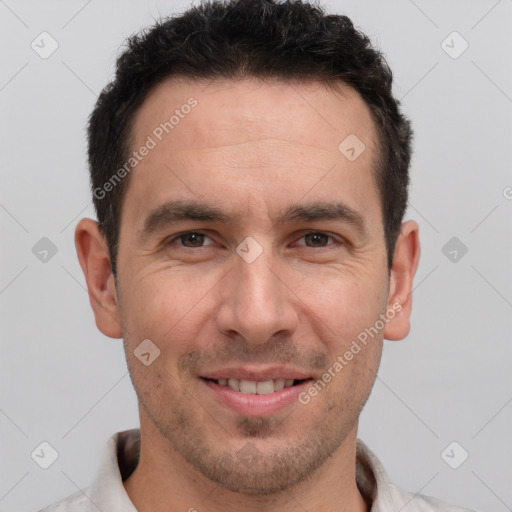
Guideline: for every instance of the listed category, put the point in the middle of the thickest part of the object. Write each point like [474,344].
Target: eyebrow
[174,211]
[322,210]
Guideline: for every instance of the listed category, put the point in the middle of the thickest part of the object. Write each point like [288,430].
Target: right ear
[93,256]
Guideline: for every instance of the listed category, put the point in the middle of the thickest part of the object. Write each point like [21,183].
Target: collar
[121,456]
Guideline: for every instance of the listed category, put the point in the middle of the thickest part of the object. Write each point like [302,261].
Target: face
[252,254]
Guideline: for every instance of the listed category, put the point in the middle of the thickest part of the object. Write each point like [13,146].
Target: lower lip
[256,405]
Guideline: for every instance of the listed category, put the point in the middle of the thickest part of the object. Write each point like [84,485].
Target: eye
[195,238]
[317,239]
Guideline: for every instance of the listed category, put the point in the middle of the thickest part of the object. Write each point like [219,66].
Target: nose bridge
[258,283]
[256,303]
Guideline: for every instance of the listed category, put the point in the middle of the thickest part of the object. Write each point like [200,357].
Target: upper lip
[256,374]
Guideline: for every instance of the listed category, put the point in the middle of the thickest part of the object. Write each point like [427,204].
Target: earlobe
[405,263]
[94,259]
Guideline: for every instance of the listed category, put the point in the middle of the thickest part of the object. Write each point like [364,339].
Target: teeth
[248,386]
[253,387]
[278,384]
[234,384]
[264,388]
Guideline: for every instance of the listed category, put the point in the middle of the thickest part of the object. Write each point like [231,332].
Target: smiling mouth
[252,387]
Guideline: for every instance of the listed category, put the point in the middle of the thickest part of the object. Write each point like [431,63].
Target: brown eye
[195,239]
[316,239]
[190,239]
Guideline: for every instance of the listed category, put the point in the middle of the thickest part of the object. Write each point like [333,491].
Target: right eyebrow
[175,211]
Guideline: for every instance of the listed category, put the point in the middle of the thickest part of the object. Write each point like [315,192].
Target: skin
[250,147]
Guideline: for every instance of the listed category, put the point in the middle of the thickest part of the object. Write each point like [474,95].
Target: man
[249,171]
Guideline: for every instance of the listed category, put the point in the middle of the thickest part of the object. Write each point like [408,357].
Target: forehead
[235,110]
[244,138]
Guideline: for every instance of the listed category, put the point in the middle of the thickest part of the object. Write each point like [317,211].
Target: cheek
[167,304]
[343,306]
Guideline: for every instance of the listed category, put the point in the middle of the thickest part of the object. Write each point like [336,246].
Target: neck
[164,482]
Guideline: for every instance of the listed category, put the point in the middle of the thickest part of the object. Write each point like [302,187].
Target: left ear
[405,263]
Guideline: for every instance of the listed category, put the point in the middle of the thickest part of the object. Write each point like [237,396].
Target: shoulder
[75,502]
[420,502]
[106,492]
[374,484]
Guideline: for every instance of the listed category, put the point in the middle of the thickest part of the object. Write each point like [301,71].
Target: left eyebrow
[323,210]
[174,211]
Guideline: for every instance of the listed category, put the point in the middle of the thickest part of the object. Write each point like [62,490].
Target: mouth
[255,393]
[253,387]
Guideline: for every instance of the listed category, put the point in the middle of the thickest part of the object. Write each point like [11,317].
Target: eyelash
[172,239]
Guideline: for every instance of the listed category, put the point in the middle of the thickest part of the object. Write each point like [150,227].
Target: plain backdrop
[64,383]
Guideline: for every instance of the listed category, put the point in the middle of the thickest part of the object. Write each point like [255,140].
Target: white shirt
[121,454]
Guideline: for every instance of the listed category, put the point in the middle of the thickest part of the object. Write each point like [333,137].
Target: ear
[94,259]
[405,263]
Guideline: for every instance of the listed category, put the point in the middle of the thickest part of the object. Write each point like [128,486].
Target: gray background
[63,382]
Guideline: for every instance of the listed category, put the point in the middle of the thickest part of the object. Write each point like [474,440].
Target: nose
[256,301]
